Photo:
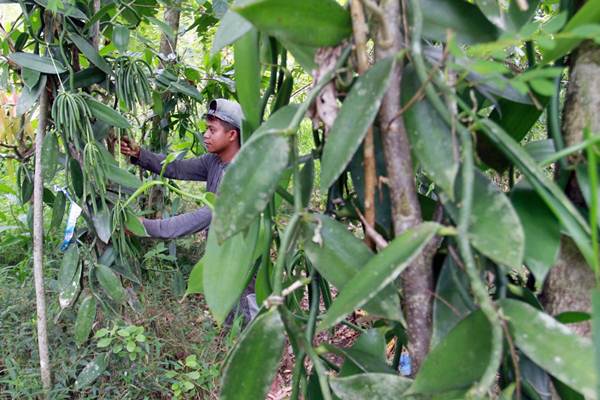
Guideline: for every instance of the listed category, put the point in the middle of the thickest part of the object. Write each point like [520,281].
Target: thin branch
[515,359]
[379,240]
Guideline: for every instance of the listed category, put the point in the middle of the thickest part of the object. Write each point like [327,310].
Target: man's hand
[129,147]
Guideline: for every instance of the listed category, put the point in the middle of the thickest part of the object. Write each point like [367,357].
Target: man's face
[217,138]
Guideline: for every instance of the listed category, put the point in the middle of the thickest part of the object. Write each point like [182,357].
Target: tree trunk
[417,280]
[168,55]
[38,245]
[569,282]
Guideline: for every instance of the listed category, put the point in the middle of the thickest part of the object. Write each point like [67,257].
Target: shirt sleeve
[191,169]
[180,225]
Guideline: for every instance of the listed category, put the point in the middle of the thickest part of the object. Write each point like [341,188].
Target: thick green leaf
[186,89]
[367,354]
[28,96]
[542,231]
[49,156]
[254,359]
[111,283]
[122,177]
[134,225]
[69,9]
[452,302]
[588,14]
[317,23]
[227,270]
[356,115]
[76,177]
[30,77]
[102,223]
[92,371]
[552,195]
[430,137]
[466,21]
[304,55]
[58,209]
[540,150]
[307,177]
[373,386]
[69,277]
[553,346]
[86,77]
[494,229]
[340,256]
[90,53]
[231,28]
[443,370]
[516,18]
[196,279]
[249,183]
[248,78]
[120,37]
[164,27]
[85,319]
[572,317]
[107,114]
[42,64]
[380,271]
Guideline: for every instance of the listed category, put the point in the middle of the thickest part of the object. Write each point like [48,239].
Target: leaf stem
[593,176]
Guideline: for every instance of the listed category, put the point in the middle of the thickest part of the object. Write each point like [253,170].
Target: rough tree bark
[417,280]
[38,244]
[569,282]
[168,55]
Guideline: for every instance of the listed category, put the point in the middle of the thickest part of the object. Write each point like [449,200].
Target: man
[222,140]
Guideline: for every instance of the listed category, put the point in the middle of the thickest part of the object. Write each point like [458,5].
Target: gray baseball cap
[226,110]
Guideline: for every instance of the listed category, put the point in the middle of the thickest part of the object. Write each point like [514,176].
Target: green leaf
[443,371]
[231,28]
[76,177]
[340,256]
[49,156]
[552,195]
[28,96]
[120,37]
[430,138]
[253,362]
[69,10]
[30,77]
[86,77]
[516,18]
[34,62]
[317,23]
[249,183]
[452,302]
[91,371]
[551,345]
[494,228]
[380,271]
[102,223]
[134,225]
[164,27]
[58,209]
[111,283]
[186,89]
[596,334]
[356,115]
[466,21]
[69,276]
[572,317]
[248,78]
[304,55]
[307,177]
[196,279]
[367,354]
[107,114]
[540,150]
[85,319]
[227,269]
[541,228]
[122,177]
[90,53]
[372,386]
[589,13]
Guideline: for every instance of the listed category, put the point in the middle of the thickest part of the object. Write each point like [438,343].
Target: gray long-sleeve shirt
[208,167]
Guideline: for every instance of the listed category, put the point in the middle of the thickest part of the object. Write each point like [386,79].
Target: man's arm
[180,225]
[193,169]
